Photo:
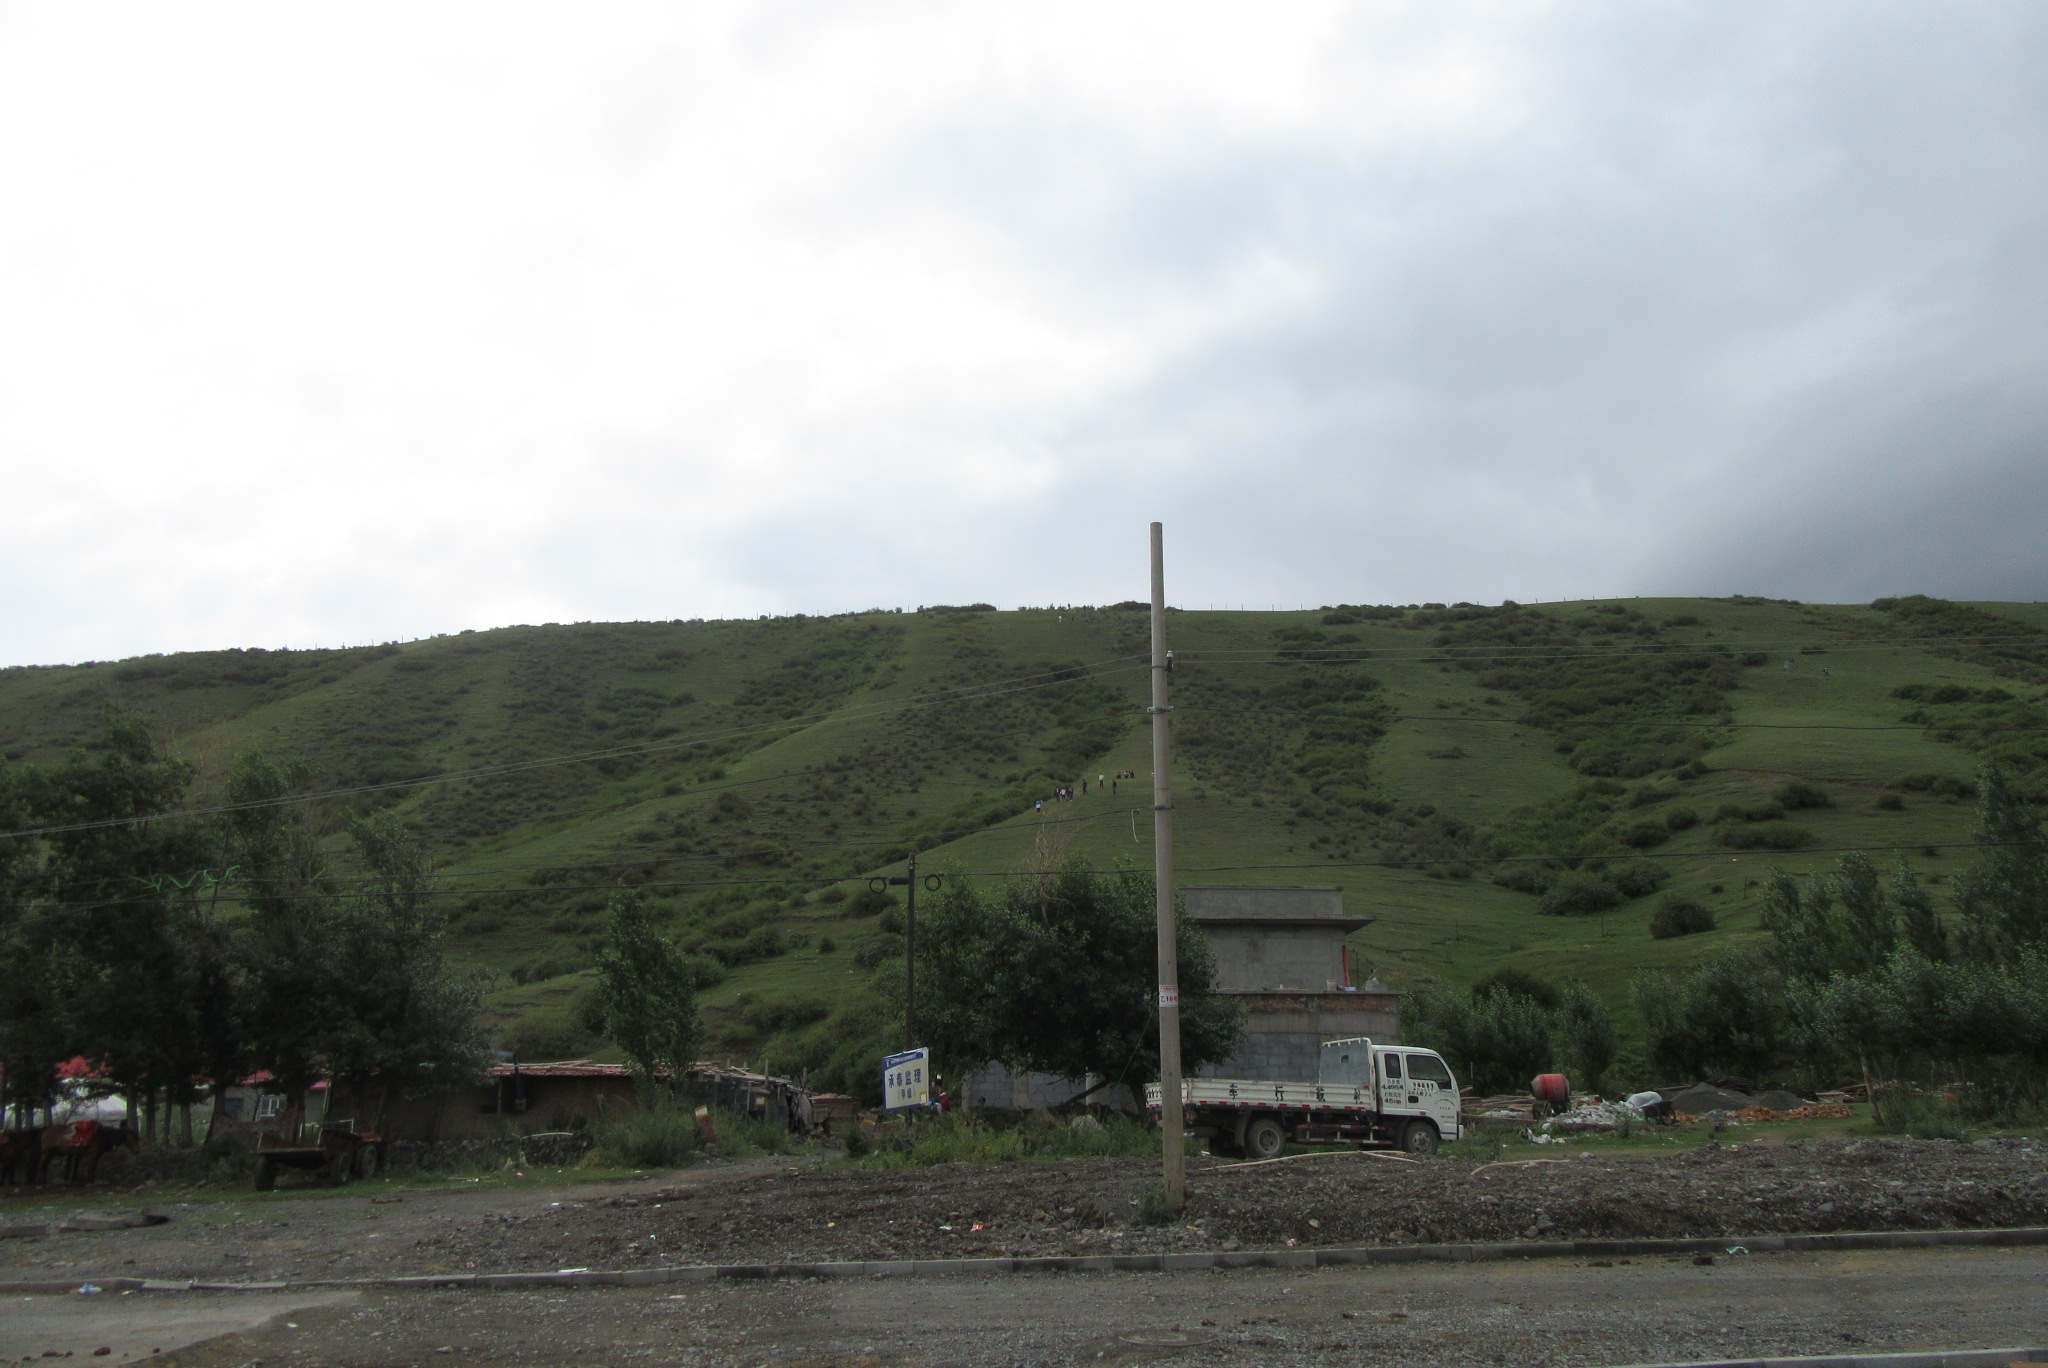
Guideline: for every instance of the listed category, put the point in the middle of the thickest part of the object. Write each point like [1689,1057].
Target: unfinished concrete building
[1281,951]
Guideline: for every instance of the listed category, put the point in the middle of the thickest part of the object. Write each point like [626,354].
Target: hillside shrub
[1526,876]
[1643,835]
[1676,916]
[705,972]
[1765,836]
[1645,794]
[877,948]
[1681,819]
[1798,794]
[1755,810]
[1890,802]
[1640,878]
[1940,785]
[547,1033]
[1579,895]
[869,902]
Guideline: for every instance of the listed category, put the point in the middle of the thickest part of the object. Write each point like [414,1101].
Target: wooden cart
[341,1153]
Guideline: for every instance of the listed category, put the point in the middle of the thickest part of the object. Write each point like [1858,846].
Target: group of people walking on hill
[1104,783]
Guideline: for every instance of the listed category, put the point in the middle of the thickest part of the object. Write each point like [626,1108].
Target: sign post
[907,1080]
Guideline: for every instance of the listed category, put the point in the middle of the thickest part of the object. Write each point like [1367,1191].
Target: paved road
[1538,1312]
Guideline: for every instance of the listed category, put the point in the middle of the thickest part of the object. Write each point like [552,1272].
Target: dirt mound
[1092,1206]
[1702,1098]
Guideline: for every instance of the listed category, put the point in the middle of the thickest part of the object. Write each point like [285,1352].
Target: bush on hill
[1579,895]
[1765,836]
[1676,916]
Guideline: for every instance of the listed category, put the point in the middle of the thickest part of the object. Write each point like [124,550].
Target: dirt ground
[775,1211]
[1560,1313]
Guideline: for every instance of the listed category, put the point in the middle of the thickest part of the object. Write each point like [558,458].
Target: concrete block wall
[994,1086]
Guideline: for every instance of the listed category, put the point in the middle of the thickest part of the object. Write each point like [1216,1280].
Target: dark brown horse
[80,1144]
[21,1155]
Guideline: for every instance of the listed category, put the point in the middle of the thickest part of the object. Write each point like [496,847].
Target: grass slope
[748,775]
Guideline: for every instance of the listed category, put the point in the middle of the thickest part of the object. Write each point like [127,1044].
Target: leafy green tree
[1496,1040]
[107,919]
[1727,1016]
[1869,927]
[646,995]
[402,1019]
[1585,1033]
[1919,923]
[2004,898]
[1056,975]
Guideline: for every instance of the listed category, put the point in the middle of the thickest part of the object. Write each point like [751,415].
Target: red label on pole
[1169,996]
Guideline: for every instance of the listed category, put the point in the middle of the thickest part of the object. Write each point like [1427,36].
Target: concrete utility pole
[1173,1145]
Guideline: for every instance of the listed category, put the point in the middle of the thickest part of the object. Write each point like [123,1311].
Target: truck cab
[1402,1081]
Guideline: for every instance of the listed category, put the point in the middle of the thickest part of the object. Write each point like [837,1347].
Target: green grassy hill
[1446,766]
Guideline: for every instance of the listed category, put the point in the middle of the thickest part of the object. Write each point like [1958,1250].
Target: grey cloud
[1748,302]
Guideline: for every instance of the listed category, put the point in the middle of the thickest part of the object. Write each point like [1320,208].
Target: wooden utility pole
[1173,1146]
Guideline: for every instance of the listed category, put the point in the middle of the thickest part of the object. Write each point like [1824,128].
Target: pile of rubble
[1698,1102]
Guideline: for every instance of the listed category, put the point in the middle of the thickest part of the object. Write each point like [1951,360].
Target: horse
[21,1155]
[81,1143]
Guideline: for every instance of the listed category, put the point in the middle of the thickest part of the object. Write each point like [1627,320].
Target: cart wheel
[368,1161]
[1419,1139]
[338,1169]
[266,1175]
[1263,1138]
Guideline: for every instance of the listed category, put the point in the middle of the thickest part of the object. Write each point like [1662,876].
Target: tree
[1585,1034]
[1729,1015]
[2004,897]
[1497,1037]
[646,995]
[1055,975]
[1919,923]
[108,920]
[290,976]
[403,1019]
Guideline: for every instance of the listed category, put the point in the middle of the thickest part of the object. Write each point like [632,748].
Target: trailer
[1372,1096]
[340,1153]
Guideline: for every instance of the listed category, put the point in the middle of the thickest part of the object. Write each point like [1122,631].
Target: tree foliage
[1866,975]
[1056,975]
[166,948]
[647,994]
[1513,1026]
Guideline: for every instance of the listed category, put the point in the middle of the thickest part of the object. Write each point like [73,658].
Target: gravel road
[770,1211]
[1550,1312]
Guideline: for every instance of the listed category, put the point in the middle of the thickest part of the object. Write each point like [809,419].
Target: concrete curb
[1302,1259]
[1953,1358]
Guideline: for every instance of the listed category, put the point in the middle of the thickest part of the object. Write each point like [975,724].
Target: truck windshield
[1429,1069]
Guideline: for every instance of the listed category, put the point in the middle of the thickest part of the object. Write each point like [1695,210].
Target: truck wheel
[366,1162]
[266,1175]
[338,1169]
[1419,1139]
[1263,1138]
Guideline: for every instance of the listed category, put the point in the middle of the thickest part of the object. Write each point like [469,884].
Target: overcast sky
[326,325]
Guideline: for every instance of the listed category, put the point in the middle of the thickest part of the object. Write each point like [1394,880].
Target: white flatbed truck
[1373,1096]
